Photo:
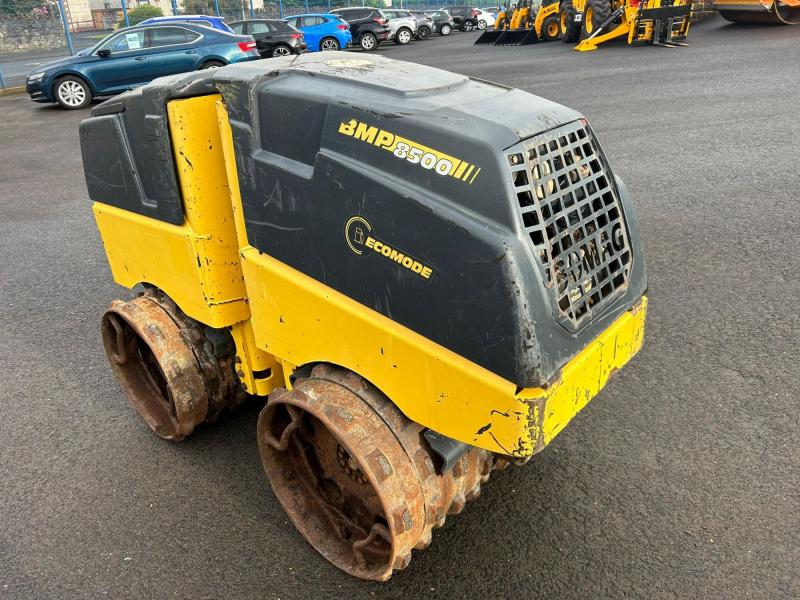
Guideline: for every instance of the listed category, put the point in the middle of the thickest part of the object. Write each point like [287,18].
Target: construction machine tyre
[551,28]
[356,476]
[775,16]
[175,372]
[785,14]
[746,16]
[594,15]
[570,30]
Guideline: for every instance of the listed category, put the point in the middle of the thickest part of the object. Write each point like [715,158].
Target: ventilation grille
[571,212]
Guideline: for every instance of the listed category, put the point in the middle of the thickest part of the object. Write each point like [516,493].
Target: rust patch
[166,366]
[365,494]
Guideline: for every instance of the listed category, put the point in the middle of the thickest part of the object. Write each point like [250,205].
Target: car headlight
[35,76]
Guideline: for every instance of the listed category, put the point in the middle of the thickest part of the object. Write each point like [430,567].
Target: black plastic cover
[448,257]
[126,149]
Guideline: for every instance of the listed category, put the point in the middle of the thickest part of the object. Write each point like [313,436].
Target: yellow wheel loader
[419,304]
[640,22]
[523,29]
[786,12]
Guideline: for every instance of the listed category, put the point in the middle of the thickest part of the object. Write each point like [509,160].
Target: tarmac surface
[679,481]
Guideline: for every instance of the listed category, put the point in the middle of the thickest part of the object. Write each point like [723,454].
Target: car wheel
[481,24]
[423,32]
[72,92]
[445,29]
[281,50]
[467,26]
[403,36]
[329,45]
[368,41]
[212,64]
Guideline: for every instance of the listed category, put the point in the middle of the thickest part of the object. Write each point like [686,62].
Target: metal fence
[35,32]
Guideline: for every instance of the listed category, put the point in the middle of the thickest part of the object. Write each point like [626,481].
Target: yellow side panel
[200,161]
[197,263]
[303,321]
[586,374]
[145,250]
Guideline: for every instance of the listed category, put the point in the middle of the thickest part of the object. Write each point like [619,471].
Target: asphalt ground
[679,481]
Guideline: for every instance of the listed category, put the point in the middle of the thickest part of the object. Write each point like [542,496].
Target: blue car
[213,22]
[322,32]
[134,56]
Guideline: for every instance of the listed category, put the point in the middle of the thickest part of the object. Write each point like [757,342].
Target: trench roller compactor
[422,291]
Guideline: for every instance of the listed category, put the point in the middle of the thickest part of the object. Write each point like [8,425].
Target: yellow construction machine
[785,12]
[420,304]
[527,24]
[640,22]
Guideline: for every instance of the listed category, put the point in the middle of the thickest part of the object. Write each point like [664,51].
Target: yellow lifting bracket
[650,22]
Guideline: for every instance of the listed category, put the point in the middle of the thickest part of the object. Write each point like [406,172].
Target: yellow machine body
[629,27]
[519,18]
[541,15]
[501,22]
[282,320]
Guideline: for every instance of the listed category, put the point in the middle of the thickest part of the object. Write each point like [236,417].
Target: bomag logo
[360,238]
[405,149]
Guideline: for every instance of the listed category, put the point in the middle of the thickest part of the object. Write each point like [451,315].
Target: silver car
[425,25]
[402,25]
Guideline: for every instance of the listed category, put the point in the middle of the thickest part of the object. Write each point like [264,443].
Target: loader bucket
[517,37]
[489,37]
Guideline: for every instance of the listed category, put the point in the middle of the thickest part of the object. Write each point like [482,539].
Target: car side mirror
[104,53]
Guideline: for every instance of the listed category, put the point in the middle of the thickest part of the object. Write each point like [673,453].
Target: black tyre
[481,25]
[594,15]
[212,64]
[72,92]
[445,29]
[736,16]
[779,14]
[789,15]
[467,26]
[570,30]
[368,42]
[551,28]
[281,50]
[403,36]
[329,44]
[423,32]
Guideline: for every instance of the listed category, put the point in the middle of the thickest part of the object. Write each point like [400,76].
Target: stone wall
[21,34]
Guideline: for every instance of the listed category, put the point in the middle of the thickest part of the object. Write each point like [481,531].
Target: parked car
[464,17]
[368,26]
[273,37]
[322,32]
[402,25]
[425,26]
[485,19]
[213,22]
[443,23]
[134,56]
